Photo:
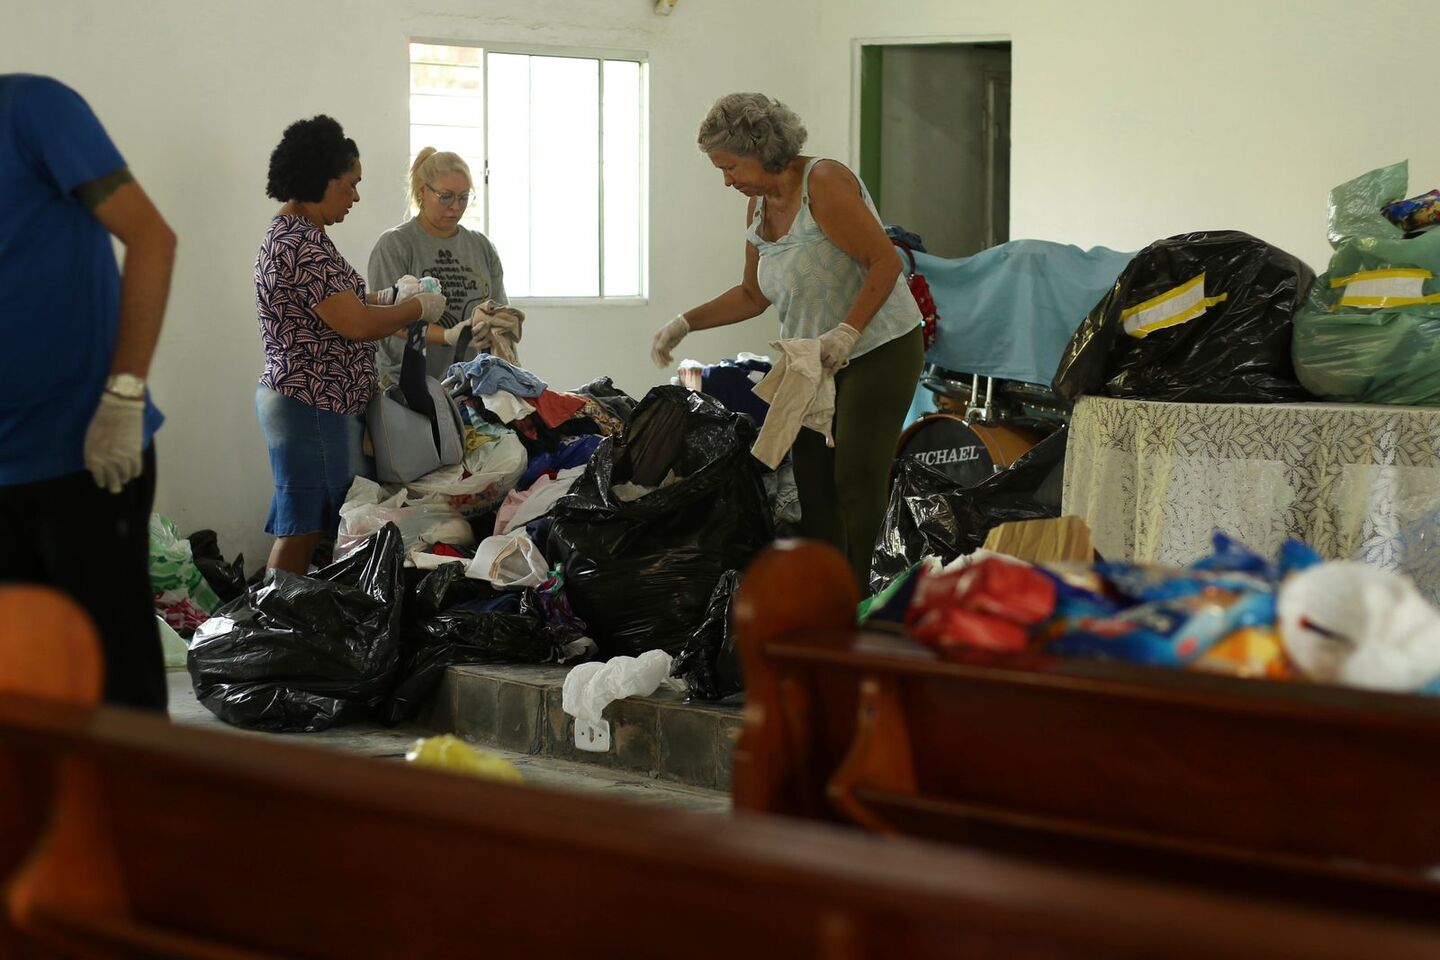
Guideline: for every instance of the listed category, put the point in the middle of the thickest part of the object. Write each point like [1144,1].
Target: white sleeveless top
[813,283]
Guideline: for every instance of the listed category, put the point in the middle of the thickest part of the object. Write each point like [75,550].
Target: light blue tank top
[813,283]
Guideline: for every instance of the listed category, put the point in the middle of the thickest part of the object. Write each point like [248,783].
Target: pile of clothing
[579,524]
[524,445]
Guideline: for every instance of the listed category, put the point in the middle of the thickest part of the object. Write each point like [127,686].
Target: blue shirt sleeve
[62,136]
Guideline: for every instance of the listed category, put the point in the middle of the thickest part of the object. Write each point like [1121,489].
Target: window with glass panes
[556,144]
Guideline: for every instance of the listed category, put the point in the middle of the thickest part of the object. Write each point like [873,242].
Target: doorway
[934,140]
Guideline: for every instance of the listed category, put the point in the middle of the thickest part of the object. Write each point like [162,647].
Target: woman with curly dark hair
[319,328]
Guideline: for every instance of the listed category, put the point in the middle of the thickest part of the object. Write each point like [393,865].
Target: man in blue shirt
[77,466]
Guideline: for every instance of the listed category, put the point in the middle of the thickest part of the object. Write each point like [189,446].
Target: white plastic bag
[522,506]
[494,470]
[591,687]
[421,522]
[509,561]
[173,645]
[1354,624]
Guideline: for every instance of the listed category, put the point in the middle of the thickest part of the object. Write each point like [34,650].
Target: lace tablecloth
[1153,480]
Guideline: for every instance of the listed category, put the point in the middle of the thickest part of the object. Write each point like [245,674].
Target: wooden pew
[48,648]
[172,842]
[1284,788]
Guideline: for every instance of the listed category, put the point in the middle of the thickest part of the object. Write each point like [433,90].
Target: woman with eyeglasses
[434,243]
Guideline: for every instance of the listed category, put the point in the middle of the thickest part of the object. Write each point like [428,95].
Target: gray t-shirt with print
[467,267]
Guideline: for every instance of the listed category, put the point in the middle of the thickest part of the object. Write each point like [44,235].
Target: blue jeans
[314,457]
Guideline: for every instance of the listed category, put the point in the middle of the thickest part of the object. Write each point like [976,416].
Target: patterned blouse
[297,268]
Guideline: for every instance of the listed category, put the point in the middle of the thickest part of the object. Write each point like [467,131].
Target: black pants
[94,546]
[843,489]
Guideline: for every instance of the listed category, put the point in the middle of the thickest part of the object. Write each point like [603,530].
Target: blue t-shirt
[59,276]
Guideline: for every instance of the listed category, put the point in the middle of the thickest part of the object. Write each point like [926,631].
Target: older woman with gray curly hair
[816,250]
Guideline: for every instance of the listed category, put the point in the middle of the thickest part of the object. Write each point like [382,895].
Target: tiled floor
[390,744]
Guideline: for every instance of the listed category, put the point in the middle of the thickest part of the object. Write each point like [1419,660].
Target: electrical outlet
[593,738]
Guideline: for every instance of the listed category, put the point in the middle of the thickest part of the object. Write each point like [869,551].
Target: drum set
[983,425]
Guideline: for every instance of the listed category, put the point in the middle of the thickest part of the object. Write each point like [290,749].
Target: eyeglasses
[448,199]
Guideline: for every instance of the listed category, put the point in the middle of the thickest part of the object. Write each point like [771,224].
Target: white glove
[668,338]
[835,347]
[432,306]
[452,334]
[400,291]
[115,442]
[408,287]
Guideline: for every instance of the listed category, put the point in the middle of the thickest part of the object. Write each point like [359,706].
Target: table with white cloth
[1356,482]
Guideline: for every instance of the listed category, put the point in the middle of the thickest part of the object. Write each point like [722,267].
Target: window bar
[600,157]
[641,170]
[529,161]
[485,136]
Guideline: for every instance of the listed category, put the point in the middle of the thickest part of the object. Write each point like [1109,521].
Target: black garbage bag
[930,515]
[501,628]
[1201,318]
[438,590]
[306,653]
[226,579]
[709,664]
[640,573]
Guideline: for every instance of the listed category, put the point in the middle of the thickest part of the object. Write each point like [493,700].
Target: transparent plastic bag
[1369,332]
[422,522]
[493,470]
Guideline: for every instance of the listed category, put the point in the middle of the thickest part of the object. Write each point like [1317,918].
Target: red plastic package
[987,606]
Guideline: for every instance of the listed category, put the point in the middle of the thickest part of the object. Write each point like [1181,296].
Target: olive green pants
[843,489]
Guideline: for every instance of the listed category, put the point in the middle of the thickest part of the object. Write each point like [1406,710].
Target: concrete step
[518,708]
[389,744]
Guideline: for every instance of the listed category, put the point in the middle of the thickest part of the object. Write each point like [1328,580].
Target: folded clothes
[495,328]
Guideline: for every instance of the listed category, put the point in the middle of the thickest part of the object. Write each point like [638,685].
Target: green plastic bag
[1370,330]
[883,597]
[173,572]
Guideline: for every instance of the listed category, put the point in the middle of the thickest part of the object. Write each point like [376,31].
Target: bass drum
[967,453]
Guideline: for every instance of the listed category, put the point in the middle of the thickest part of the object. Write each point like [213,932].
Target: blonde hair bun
[431,163]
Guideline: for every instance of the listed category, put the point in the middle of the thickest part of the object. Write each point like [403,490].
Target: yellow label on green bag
[1172,308]
[1392,287]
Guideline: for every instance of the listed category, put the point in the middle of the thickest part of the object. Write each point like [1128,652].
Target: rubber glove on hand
[432,306]
[835,347]
[452,334]
[667,339]
[400,291]
[408,287]
[114,442]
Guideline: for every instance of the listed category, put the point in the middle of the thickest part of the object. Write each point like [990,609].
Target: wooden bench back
[48,648]
[168,842]
[872,729]
[175,842]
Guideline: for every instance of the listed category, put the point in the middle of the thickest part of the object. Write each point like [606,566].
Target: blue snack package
[1233,556]
[1170,632]
[1080,592]
[1147,584]
[1413,213]
[1296,556]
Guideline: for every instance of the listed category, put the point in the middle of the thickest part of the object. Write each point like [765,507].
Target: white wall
[1137,119]
[1132,120]
[196,95]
